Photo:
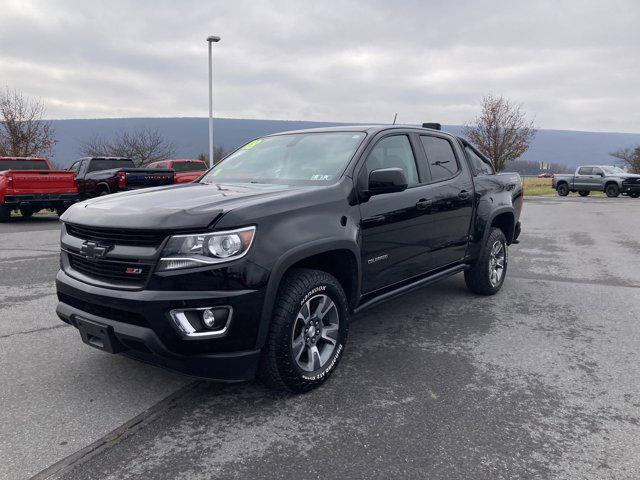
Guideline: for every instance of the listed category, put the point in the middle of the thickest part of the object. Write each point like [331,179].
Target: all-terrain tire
[563,189]
[634,195]
[584,193]
[478,277]
[612,190]
[278,367]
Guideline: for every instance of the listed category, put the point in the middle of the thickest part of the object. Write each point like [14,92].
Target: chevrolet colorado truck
[186,170]
[256,267]
[98,176]
[611,180]
[30,185]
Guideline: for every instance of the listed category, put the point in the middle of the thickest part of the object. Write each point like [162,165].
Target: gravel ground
[539,381]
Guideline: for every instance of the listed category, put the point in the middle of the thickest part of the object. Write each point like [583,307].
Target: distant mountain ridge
[190,137]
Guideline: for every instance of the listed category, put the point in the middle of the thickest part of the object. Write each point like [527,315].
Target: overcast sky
[572,64]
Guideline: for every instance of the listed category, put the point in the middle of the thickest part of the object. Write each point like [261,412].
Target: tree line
[502,131]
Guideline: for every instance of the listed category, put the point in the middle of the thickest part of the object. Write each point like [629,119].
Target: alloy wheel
[497,261]
[315,333]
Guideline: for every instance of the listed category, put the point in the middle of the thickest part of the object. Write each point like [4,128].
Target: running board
[411,286]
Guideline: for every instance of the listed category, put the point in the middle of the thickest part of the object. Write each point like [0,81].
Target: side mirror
[386,180]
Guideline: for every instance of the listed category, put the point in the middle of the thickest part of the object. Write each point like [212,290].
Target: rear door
[583,179]
[451,194]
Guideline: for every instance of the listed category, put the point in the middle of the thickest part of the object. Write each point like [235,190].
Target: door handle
[423,204]
[463,195]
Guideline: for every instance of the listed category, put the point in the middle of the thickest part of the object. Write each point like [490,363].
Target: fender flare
[99,185]
[292,257]
[492,217]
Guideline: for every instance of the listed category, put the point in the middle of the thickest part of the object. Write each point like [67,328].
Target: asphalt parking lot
[540,381]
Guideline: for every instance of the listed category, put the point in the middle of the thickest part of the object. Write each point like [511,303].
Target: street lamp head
[213,38]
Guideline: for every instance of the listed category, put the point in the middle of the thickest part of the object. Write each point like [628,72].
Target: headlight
[186,251]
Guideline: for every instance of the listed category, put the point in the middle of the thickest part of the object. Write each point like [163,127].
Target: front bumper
[139,326]
[630,187]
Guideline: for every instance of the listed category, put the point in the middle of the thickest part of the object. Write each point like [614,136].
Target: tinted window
[109,163]
[596,171]
[189,166]
[23,165]
[394,152]
[480,166]
[440,156]
[585,171]
[290,159]
[75,167]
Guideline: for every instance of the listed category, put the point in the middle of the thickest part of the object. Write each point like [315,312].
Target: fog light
[208,318]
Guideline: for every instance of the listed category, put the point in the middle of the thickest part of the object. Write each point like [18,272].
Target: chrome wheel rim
[497,261]
[315,333]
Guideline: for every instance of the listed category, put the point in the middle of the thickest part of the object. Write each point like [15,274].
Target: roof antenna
[394,118]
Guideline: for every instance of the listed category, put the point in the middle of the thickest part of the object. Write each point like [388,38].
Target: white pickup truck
[611,180]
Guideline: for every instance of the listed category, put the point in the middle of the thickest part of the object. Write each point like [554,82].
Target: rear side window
[394,152]
[442,161]
[479,164]
[188,166]
[98,164]
[585,171]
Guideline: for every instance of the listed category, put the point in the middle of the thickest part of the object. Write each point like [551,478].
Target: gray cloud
[573,64]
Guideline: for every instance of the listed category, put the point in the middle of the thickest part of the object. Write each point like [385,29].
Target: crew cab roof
[369,129]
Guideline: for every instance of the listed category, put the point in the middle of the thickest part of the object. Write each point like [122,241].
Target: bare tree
[218,154]
[23,132]
[630,158]
[502,131]
[143,146]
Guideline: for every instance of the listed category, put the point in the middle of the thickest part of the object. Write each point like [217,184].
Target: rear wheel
[612,190]
[563,189]
[61,210]
[487,273]
[26,212]
[584,193]
[308,332]
[5,213]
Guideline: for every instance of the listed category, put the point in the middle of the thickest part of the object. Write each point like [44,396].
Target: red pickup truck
[29,185]
[186,170]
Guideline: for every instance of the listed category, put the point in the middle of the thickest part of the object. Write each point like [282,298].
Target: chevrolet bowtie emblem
[93,250]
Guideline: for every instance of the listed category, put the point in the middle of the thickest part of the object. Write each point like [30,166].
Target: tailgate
[148,178]
[42,181]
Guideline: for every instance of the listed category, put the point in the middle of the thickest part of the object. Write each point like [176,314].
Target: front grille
[143,238]
[129,272]
[104,312]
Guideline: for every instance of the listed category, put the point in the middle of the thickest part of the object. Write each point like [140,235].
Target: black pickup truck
[97,176]
[256,267]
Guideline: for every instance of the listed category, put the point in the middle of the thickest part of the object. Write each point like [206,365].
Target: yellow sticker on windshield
[252,144]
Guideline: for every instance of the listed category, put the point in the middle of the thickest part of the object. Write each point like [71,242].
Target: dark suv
[257,266]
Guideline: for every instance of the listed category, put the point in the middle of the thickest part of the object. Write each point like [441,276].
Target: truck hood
[192,205]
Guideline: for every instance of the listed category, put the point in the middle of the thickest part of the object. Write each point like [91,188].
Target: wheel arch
[505,220]
[339,258]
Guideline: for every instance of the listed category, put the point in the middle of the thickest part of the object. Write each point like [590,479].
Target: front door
[394,226]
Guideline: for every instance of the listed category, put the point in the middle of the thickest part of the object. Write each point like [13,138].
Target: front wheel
[612,190]
[487,273]
[583,193]
[634,195]
[563,189]
[308,332]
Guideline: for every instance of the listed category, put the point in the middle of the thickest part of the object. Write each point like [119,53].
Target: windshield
[296,159]
[23,165]
[109,163]
[613,170]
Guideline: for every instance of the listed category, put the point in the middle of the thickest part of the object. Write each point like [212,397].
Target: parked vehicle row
[29,185]
[613,181]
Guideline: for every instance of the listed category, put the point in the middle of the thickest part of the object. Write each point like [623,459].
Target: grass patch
[538,187]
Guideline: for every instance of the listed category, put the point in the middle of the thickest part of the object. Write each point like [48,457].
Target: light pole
[210,40]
